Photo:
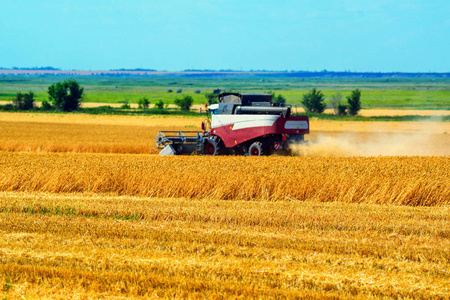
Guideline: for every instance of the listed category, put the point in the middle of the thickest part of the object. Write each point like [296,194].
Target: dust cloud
[430,141]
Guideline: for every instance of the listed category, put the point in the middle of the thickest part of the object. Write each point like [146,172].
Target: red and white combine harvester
[241,124]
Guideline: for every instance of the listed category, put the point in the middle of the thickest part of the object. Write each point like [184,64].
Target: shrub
[354,102]
[313,101]
[66,95]
[7,107]
[341,109]
[143,103]
[169,91]
[184,103]
[125,105]
[179,91]
[197,91]
[45,105]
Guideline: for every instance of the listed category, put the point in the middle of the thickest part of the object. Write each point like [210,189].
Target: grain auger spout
[241,124]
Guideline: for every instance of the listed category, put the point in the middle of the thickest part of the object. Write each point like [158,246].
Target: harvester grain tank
[240,124]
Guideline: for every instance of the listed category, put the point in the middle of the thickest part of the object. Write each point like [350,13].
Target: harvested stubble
[55,245]
[384,180]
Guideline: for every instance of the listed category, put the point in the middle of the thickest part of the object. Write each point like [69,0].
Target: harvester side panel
[238,129]
[292,125]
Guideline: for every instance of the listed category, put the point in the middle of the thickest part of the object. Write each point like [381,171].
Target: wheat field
[97,246]
[386,180]
[135,134]
[85,133]
[87,212]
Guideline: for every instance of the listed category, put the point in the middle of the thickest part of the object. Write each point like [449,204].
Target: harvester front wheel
[213,146]
[256,149]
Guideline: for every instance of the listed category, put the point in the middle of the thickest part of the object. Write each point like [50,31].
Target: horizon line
[50,70]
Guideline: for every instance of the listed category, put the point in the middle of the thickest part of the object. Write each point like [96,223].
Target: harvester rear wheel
[256,149]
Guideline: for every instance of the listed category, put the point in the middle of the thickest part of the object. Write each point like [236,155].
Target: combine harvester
[241,124]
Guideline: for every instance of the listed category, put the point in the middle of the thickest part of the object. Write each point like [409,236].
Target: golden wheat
[128,134]
[54,137]
[86,119]
[86,133]
[55,245]
[384,180]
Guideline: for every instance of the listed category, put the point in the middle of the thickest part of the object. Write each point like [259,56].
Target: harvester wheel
[256,149]
[213,146]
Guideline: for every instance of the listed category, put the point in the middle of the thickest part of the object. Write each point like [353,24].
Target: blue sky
[355,35]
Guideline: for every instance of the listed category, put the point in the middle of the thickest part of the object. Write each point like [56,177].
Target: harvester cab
[241,124]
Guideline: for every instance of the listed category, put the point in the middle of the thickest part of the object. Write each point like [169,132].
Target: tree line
[63,96]
[67,96]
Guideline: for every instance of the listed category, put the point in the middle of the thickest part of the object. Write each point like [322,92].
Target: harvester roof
[244,98]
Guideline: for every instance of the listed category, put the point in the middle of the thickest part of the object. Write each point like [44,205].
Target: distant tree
[184,103]
[169,90]
[313,101]
[24,101]
[179,91]
[18,101]
[354,102]
[159,104]
[338,108]
[28,100]
[143,103]
[66,95]
[335,102]
[197,91]
[211,98]
[277,98]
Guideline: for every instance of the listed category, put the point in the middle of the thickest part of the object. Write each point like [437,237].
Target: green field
[399,93]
